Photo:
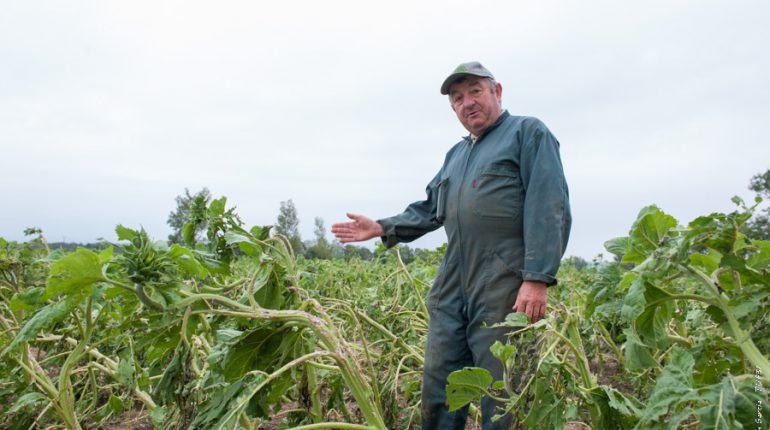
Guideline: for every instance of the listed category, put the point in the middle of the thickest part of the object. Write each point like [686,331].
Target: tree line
[287,224]
[189,206]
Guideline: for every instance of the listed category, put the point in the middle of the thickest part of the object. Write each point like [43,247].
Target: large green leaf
[467,385]
[732,404]
[708,262]
[188,234]
[626,404]
[672,385]
[27,300]
[186,261]
[760,258]
[217,207]
[270,291]
[618,410]
[45,318]
[551,407]
[634,302]
[653,323]
[637,356]
[224,407]
[125,233]
[261,349]
[648,231]
[244,242]
[73,272]
[719,412]
[617,246]
[126,369]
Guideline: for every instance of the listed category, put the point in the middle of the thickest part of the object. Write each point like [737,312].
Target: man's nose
[468,101]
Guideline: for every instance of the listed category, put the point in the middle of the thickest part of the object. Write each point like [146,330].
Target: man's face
[476,103]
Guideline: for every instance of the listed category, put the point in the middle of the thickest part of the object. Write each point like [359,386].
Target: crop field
[236,332]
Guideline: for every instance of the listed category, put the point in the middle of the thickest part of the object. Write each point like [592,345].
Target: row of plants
[235,331]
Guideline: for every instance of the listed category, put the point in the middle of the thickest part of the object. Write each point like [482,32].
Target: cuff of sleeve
[537,276]
[389,239]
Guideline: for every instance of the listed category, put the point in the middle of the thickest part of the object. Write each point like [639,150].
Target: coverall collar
[503,115]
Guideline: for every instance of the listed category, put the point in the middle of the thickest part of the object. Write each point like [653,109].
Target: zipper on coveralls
[463,265]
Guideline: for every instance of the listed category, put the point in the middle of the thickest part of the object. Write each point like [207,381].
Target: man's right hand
[360,229]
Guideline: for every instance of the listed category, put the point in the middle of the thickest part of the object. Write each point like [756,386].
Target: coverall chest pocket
[498,193]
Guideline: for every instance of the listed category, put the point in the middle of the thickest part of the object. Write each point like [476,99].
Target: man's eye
[457,100]
[476,91]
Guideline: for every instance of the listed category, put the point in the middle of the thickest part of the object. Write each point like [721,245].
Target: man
[503,200]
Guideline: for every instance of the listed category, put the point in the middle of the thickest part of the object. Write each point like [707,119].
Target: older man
[503,200]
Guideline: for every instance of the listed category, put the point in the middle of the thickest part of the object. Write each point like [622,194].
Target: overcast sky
[108,110]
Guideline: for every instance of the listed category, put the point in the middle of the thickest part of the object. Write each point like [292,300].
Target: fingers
[360,229]
[538,312]
[533,308]
[345,232]
[354,231]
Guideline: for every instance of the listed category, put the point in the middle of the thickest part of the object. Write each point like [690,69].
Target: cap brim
[455,76]
[451,80]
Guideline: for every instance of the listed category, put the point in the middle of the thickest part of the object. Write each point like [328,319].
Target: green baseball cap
[473,68]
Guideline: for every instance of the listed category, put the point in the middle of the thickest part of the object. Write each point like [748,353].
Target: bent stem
[328,339]
[741,337]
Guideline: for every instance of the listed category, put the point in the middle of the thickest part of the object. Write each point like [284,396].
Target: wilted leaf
[514,320]
[27,400]
[46,317]
[625,404]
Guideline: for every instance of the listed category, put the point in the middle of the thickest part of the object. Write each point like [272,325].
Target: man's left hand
[532,299]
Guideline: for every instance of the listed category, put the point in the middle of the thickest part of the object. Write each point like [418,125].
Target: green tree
[320,247]
[759,226]
[288,225]
[181,215]
[352,251]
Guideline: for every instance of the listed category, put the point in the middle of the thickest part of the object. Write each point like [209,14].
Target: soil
[608,375]
[576,425]
[137,419]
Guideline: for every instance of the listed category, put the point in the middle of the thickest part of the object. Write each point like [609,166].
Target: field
[234,331]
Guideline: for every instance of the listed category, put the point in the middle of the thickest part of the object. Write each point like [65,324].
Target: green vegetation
[674,335]
[228,328]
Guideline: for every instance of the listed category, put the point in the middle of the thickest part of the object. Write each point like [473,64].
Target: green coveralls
[504,204]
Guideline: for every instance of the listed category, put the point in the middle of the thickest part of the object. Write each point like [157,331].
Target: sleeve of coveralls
[416,220]
[547,218]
